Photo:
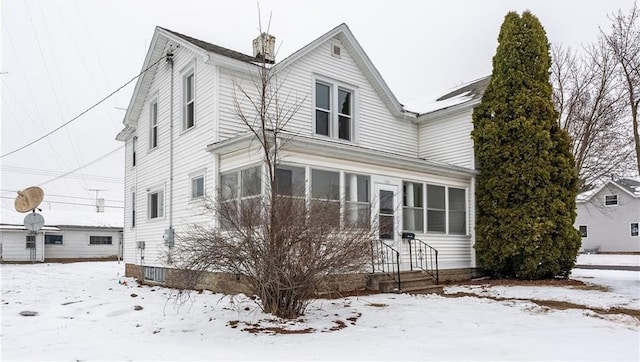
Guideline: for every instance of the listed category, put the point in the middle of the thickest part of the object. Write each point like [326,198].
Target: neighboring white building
[183,141]
[65,236]
[608,217]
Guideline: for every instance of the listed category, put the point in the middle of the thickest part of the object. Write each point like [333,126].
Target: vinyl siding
[448,139]
[609,227]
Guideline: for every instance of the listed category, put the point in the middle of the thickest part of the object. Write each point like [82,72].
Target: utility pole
[98,205]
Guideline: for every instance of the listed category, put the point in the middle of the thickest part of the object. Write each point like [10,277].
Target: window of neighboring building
[610,200]
[325,195]
[334,111]
[100,240]
[583,231]
[52,239]
[197,187]
[457,211]
[413,207]
[357,200]
[134,146]
[634,229]
[153,125]
[155,201]
[30,241]
[436,209]
[188,84]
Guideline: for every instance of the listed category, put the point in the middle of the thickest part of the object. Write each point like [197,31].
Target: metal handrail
[385,259]
[424,257]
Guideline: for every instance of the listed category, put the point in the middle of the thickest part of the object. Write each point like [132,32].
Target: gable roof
[162,36]
[627,185]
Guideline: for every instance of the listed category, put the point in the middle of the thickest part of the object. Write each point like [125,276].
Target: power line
[34,171]
[84,112]
[83,166]
[63,196]
[68,203]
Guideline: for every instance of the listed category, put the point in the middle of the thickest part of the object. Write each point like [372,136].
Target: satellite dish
[33,222]
[28,199]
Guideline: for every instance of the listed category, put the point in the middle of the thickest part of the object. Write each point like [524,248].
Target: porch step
[412,282]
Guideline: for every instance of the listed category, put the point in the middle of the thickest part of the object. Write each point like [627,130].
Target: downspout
[170,61]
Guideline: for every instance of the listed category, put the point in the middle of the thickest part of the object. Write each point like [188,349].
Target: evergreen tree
[527,185]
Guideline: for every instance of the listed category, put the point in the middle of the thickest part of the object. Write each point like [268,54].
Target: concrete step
[430,289]
[416,282]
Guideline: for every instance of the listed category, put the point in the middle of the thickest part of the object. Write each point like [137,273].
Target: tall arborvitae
[527,186]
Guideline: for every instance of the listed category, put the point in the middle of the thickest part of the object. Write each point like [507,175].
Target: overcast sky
[61,57]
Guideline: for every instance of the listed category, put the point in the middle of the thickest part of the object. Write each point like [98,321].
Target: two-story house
[608,217]
[351,139]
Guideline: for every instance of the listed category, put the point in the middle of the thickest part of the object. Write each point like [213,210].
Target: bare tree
[589,98]
[283,243]
[624,42]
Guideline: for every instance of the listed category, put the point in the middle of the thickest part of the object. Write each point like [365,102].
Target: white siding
[376,127]
[14,246]
[609,227]
[447,139]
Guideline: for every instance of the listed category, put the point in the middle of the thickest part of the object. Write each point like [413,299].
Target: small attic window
[335,50]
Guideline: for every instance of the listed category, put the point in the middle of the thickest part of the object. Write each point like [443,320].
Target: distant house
[410,171]
[608,217]
[65,236]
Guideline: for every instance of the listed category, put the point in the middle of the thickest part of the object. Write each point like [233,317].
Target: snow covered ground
[85,312]
[609,259]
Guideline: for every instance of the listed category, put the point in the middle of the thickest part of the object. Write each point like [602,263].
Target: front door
[387,213]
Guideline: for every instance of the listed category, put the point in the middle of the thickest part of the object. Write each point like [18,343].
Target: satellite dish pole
[26,201]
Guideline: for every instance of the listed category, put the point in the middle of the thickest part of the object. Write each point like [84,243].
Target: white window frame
[409,205]
[133,208]
[631,229]
[334,114]
[586,231]
[192,177]
[153,125]
[160,204]
[134,147]
[61,239]
[614,198]
[30,241]
[186,74]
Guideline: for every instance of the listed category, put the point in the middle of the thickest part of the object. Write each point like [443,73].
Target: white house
[351,139]
[608,217]
[65,236]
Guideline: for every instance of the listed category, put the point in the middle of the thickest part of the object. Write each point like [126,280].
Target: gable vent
[335,50]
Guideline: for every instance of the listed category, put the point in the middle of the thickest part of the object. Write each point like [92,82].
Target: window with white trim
[30,241]
[334,111]
[134,147]
[133,208]
[357,200]
[197,187]
[188,98]
[413,207]
[325,195]
[634,229]
[100,240]
[457,211]
[153,125]
[436,209]
[290,181]
[611,200]
[583,231]
[155,204]
[240,193]
[53,239]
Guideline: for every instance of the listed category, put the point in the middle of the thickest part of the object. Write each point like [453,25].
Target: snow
[423,106]
[86,312]
[609,259]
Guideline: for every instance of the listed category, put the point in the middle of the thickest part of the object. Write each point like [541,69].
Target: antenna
[29,199]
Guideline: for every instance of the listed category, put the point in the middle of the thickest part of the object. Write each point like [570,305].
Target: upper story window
[188,112]
[334,111]
[134,146]
[611,200]
[153,125]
